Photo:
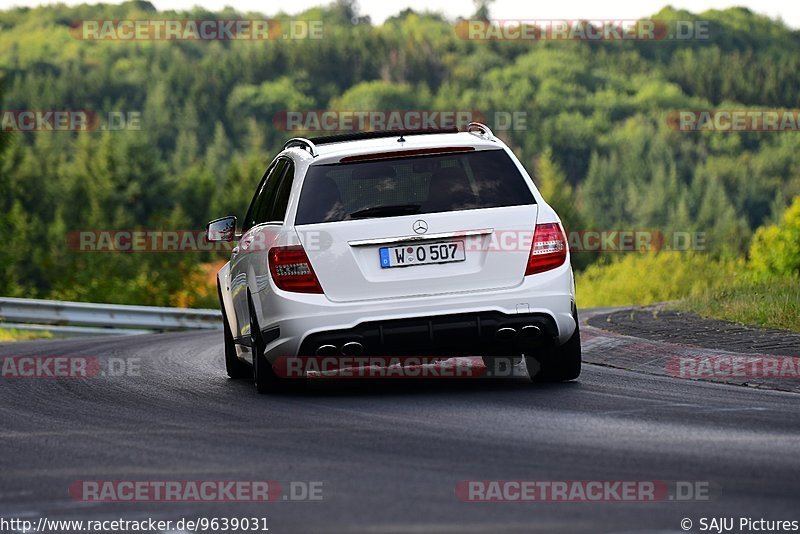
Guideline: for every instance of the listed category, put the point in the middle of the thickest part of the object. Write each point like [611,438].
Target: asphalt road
[389,455]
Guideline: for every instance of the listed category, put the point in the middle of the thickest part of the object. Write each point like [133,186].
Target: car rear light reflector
[291,270]
[549,249]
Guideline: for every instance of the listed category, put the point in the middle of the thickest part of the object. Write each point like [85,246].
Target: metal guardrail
[93,319]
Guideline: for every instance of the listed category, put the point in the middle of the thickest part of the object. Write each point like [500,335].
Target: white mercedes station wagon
[412,243]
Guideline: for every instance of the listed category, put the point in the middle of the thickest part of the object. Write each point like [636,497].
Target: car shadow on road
[329,387]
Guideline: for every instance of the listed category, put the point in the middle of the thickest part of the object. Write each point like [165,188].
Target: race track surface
[389,454]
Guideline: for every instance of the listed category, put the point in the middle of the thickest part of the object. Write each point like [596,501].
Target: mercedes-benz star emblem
[420,226]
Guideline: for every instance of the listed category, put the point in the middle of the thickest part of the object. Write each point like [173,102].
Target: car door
[240,255]
[260,229]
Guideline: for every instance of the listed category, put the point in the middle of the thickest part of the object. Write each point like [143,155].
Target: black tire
[235,367]
[265,379]
[558,364]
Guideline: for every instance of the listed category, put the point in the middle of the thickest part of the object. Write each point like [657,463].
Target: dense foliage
[776,248]
[596,130]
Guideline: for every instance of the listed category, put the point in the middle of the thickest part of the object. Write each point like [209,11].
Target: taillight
[549,249]
[291,270]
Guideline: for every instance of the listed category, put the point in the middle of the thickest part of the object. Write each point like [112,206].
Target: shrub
[775,249]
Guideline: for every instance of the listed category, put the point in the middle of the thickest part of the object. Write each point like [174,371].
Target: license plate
[406,255]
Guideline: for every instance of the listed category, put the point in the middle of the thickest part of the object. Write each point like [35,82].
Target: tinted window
[261,207]
[283,190]
[403,186]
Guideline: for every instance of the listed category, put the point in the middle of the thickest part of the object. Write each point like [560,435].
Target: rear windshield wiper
[387,210]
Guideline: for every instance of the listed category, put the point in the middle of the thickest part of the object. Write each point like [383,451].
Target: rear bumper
[443,335]
[449,324]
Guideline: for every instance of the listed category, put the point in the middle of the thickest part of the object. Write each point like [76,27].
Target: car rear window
[411,185]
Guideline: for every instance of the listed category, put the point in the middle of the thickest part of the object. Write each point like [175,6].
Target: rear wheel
[558,364]
[235,367]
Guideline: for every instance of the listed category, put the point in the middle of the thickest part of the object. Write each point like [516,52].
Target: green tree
[776,248]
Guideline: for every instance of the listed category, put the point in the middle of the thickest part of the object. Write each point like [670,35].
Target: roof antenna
[401,140]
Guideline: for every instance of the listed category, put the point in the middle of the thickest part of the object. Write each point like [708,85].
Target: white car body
[358,291]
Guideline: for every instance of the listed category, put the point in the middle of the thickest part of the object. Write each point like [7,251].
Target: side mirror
[223,229]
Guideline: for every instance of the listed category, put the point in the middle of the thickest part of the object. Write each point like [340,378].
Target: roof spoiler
[310,144]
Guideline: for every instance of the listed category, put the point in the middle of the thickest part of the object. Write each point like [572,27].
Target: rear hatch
[421,225]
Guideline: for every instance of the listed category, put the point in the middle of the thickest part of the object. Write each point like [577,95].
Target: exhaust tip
[327,350]
[531,331]
[505,333]
[352,348]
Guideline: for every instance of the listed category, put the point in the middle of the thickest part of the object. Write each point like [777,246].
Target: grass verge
[719,289]
[12,334]
[773,302]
